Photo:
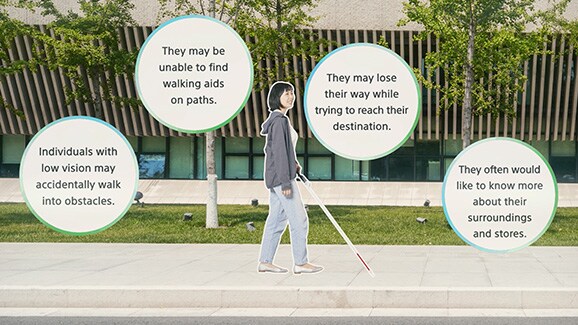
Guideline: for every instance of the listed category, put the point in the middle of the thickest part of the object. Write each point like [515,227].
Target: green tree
[280,32]
[273,25]
[88,44]
[11,29]
[85,46]
[560,24]
[225,11]
[483,47]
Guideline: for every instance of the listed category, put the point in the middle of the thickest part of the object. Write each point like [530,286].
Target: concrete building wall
[333,14]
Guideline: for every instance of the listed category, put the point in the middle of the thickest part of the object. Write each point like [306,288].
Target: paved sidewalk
[45,275]
[167,191]
[284,312]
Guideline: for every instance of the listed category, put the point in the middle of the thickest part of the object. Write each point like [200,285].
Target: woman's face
[287,98]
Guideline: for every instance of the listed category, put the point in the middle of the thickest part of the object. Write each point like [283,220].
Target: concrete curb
[288,297]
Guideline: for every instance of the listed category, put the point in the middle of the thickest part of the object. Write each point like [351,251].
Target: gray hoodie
[280,161]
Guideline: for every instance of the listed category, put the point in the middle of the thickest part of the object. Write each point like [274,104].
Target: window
[317,160]
[181,158]
[133,142]
[319,168]
[428,169]
[154,144]
[406,148]
[236,167]
[365,170]
[151,165]
[540,146]
[243,158]
[378,169]
[152,158]
[258,167]
[452,147]
[237,155]
[427,147]
[400,168]
[447,163]
[200,169]
[11,153]
[346,169]
[563,160]
[564,168]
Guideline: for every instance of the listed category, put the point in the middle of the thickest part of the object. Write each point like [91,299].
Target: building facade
[546,112]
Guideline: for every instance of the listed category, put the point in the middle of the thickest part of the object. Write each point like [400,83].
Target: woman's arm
[280,154]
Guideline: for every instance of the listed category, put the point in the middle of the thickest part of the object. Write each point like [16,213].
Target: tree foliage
[556,21]
[84,45]
[484,44]
[501,44]
[224,10]
[280,30]
[10,63]
[277,30]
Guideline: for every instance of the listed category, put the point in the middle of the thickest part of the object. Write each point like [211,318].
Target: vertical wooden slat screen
[550,96]
[558,95]
[573,131]
[488,116]
[533,76]
[412,65]
[421,68]
[523,107]
[428,117]
[547,108]
[437,95]
[16,92]
[567,94]
[514,121]
[539,129]
[33,93]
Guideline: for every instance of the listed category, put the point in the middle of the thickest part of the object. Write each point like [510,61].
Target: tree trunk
[280,70]
[467,106]
[212,219]
[212,216]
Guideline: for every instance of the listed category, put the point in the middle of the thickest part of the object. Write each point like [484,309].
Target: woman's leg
[274,228]
[298,222]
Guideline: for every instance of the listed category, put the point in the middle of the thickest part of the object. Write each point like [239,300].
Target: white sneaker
[307,268]
[272,268]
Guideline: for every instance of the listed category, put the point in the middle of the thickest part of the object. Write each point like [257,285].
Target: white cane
[307,184]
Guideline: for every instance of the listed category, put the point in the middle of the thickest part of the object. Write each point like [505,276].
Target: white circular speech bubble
[500,195]
[78,175]
[362,101]
[194,74]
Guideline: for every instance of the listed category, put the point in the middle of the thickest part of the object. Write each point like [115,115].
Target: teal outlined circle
[152,111]
[456,160]
[418,92]
[24,157]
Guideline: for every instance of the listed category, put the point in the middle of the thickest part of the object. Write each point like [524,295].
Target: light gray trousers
[281,210]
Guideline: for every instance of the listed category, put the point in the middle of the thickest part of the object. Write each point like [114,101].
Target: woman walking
[281,169]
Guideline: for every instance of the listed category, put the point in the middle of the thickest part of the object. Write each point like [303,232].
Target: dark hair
[278,88]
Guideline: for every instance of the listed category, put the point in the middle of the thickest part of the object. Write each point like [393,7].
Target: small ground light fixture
[421,220]
[426,203]
[187,216]
[137,197]
[254,202]
[306,206]
[250,226]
